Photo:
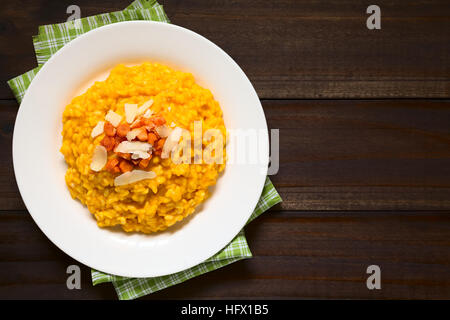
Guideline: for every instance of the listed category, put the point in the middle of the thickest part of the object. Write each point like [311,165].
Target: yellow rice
[154,204]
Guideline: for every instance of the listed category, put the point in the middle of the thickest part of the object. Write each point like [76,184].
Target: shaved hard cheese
[132,147]
[171,142]
[98,129]
[140,155]
[133,176]
[145,106]
[99,158]
[131,111]
[163,131]
[113,117]
[133,134]
[148,113]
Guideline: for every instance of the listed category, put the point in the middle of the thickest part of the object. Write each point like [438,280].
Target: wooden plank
[288,48]
[296,255]
[335,155]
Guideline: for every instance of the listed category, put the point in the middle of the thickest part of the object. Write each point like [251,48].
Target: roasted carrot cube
[144,163]
[160,144]
[112,164]
[158,120]
[118,140]
[151,138]
[142,136]
[126,156]
[108,142]
[148,123]
[137,124]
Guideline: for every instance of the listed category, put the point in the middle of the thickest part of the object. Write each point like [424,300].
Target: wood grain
[296,255]
[362,155]
[288,48]
[335,155]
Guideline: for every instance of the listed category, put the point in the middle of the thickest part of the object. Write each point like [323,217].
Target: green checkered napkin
[53,37]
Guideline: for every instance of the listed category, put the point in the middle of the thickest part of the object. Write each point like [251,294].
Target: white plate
[39,166]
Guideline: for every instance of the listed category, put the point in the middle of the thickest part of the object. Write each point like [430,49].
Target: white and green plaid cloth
[53,37]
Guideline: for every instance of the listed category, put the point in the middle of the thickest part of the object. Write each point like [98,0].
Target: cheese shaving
[131,111]
[113,117]
[163,131]
[132,147]
[99,158]
[98,129]
[140,155]
[133,134]
[171,142]
[148,113]
[133,176]
[145,106]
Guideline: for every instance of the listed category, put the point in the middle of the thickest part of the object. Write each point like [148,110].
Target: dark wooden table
[364,119]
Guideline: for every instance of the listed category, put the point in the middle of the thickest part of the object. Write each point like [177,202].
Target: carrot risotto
[118,138]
